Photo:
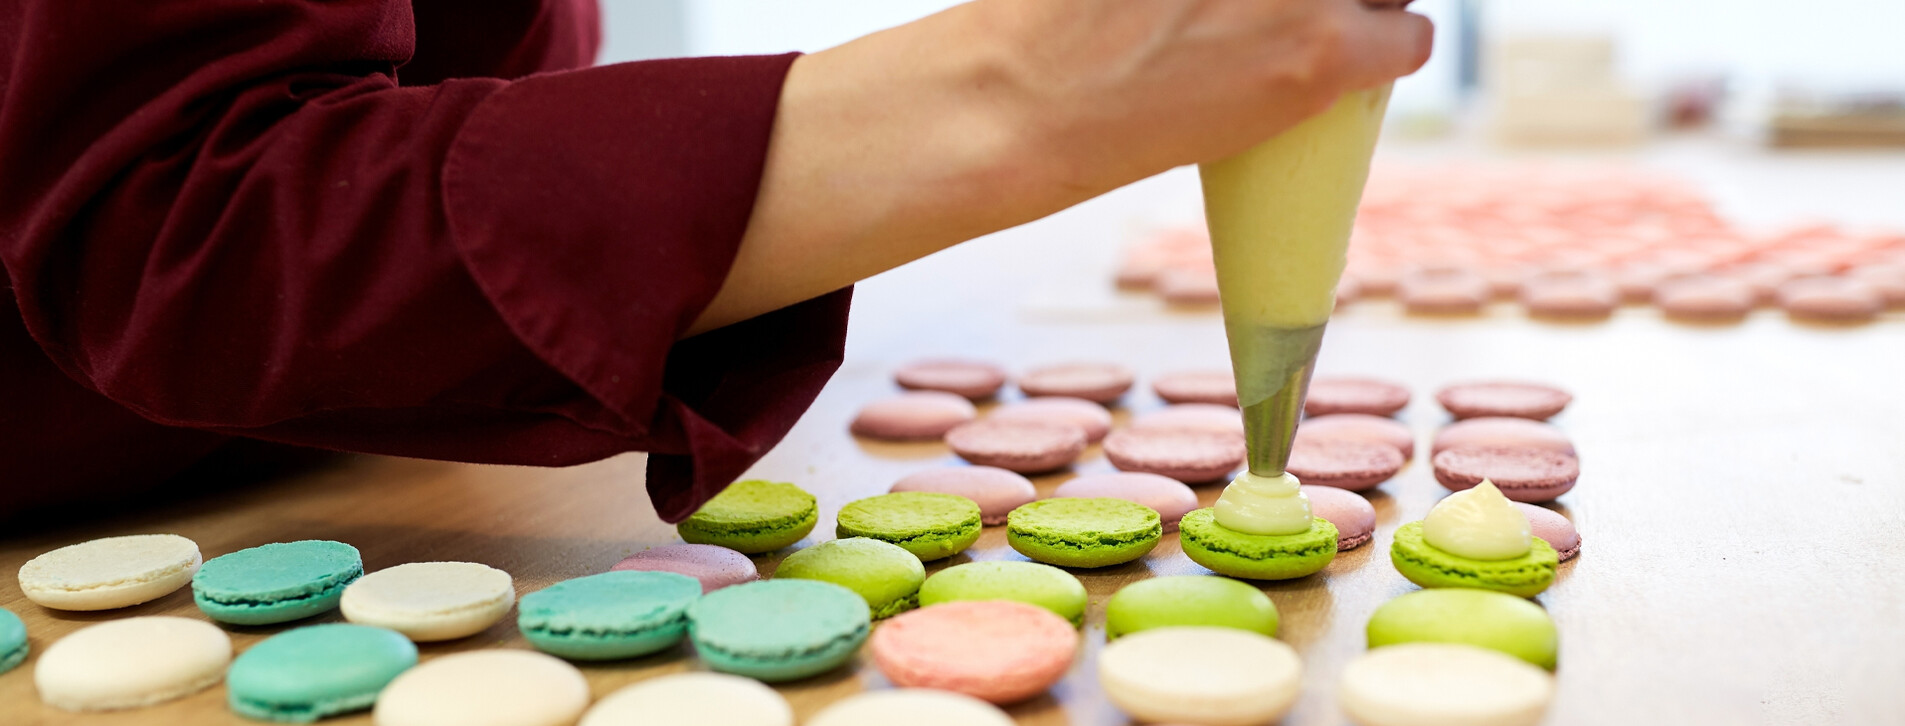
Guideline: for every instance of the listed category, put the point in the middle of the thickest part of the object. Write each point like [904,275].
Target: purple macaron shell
[1354,516]
[1212,387]
[1553,528]
[1169,497]
[1199,416]
[1524,474]
[1342,394]
[1537,401]
[1027,448]
[1353,464]
[1186,455]
[1361,426]
[995,490]
[915,416]
[1501,431]
[1100,382]
[1089,417]
[715,567]
[969,378]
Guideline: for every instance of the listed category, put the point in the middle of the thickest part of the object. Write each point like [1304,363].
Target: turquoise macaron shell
[779,630]
[613,615]
[13,644]
[276,583]
[305,674]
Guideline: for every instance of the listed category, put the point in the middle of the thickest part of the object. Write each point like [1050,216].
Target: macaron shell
[1089,417]
[1361,427]
[1026,448]
[1202,675]
[1214,387]
[1427,566]
[1208,600]
[133,662]
[1170,498]
[916,416]
[752,517]
[1353,464]
[1503,398]
[996,491]
[277,582]
[931,526]
[1576,295]
[995,650]
[109,573]
[1705,298]
[692,699]
[1027,582]
[886,575]
[1196,416]
[1099,382]
[1830,299]
[1553,528]
[910,707]
[1353,516]
[430,601]
[1186,455]
[1083,533]
[779,630]
[1348,395]
[308,673]
[1256,556]
[485,688]
[1501,431]
[1442,684]
[715,567]
[972,379]
[1482,618]
[13,641]
[1523,474]
[608,616]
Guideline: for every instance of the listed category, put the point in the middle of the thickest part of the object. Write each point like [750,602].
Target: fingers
[1384,43]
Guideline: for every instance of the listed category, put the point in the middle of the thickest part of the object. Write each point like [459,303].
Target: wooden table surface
[1742,501]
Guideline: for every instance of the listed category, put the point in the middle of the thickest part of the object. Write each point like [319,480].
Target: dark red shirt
[386,226]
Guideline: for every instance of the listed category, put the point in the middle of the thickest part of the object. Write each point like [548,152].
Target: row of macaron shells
[315,671]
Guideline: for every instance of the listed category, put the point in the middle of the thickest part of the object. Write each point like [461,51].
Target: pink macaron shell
[1362,427]
[1188,285]
[1444,291]
[1352,464]
[1522,474]
[1831,299]
[1089,417]
[1574,294]
[1211,417]
[1345,394]
[1098,382]
[996,491]
[1552,528]
[1705,298]
[1026,448]
[1501,431]
[1170,498]
[1187,455]
[1519,399]
[716,567]
[1000,651]
[1354,516]
[972,379]
[1211,387]
[915,416]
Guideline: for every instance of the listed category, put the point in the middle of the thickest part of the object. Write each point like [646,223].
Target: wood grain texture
[1742,502]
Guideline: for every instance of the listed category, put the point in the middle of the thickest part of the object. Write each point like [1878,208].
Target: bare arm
[999,112]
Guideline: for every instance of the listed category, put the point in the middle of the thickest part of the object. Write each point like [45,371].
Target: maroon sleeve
[226,215]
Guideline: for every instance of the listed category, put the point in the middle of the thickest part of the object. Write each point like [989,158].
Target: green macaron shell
[752,517]
[613,615]
[13,642]
[1189,600]
[305,674]
[883,573]
[1027,582]
[779,630]
[277,582]
[1256,556]
[1428,566]
[928,524]
[1484,618]
[1082,532]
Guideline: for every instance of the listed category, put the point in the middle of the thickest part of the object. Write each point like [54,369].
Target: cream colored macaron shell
[131,663]
[1443,684]
[692,699]
[429,601]
[485,688]
[1203,675]
[113,572]
[910,707]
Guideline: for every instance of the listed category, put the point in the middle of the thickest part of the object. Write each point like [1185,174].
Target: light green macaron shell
[1189,600]
[1426,565]
[930,525]
[884,573]
[1083,532]
[753,517]
[1484,618]
[1257,556]
[1027,582]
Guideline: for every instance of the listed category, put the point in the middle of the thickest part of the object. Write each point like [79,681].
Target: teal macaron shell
[621,614]
[779,630]
[305,674]
[13,643]
[277,582]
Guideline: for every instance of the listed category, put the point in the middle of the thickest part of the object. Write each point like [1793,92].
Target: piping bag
[1280,215]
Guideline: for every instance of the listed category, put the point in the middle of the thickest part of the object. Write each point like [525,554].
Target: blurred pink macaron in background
[1098,382]
[1349,394]
[1501,431]
[972,379]
[1170,498]
[1354,516]
[716,567]
[996,491]
[1199,416]
[1093,419]
[915,416]
[1187,455]
[1360,427]
[1210,386]
[1027,448]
